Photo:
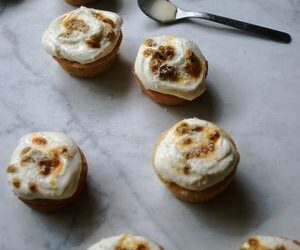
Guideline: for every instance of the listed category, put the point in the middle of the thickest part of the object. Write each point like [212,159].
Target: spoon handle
[263,31]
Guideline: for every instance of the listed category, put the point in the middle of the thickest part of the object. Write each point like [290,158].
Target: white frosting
[188,87]
[74,47]
[29,162]
[125,241]
[174,162]
[270,243]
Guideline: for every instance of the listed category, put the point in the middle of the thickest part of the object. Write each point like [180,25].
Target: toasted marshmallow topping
[270,243]
[45,165]
[126,242]
[171,65]
[195,154]
[83,35]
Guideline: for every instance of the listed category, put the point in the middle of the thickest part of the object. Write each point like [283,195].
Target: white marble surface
[253,92]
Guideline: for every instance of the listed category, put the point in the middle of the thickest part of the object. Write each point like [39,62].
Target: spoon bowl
[162,11]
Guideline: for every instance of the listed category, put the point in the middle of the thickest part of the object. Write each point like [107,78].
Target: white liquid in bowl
[163,10]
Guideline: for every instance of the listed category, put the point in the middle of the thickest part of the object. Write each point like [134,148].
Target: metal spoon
[166,12]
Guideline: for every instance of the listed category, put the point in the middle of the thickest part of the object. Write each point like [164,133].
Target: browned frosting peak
[192,64]
[196,149]
[104,19]
[136,245]
[74,24]
[39,140]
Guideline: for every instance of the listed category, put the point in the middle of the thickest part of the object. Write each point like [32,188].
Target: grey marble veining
[253,91]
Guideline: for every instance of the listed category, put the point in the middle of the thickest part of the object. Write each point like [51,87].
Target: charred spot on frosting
[187,169]
[164,53]
[39,140]
[11,169]
[109,34]
[198,129]
[253,242]
[142,246]
[157,56]
[33,187]
[183,129]
[61,151]
[167,72]
[25,151]
[157,63]
[150,43]
[139,246]
[167,52]
[192,65]
[103,18]
[148,52]
[26,159]
[16,182]
[133,245]
[73,24]
[187,141]
[197,149]
[108,21]
[204,150]
[48,165]
[214,136]
[28,155]
[197,152]
[93,42]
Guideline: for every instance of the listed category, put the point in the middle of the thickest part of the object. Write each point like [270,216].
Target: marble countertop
[253,91]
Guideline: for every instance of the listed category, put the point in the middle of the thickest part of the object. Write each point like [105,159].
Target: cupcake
[195,160]
[47,170]
[270,243]
[80,2]
[85,42]
[171,70]
[126,242]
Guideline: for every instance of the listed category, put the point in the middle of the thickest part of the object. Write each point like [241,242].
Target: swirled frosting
[270,243]
[126,242]
[195,154]
[45,165]
[83,35]
[171,65]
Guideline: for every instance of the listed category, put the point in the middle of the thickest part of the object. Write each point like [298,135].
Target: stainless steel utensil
[166,12]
